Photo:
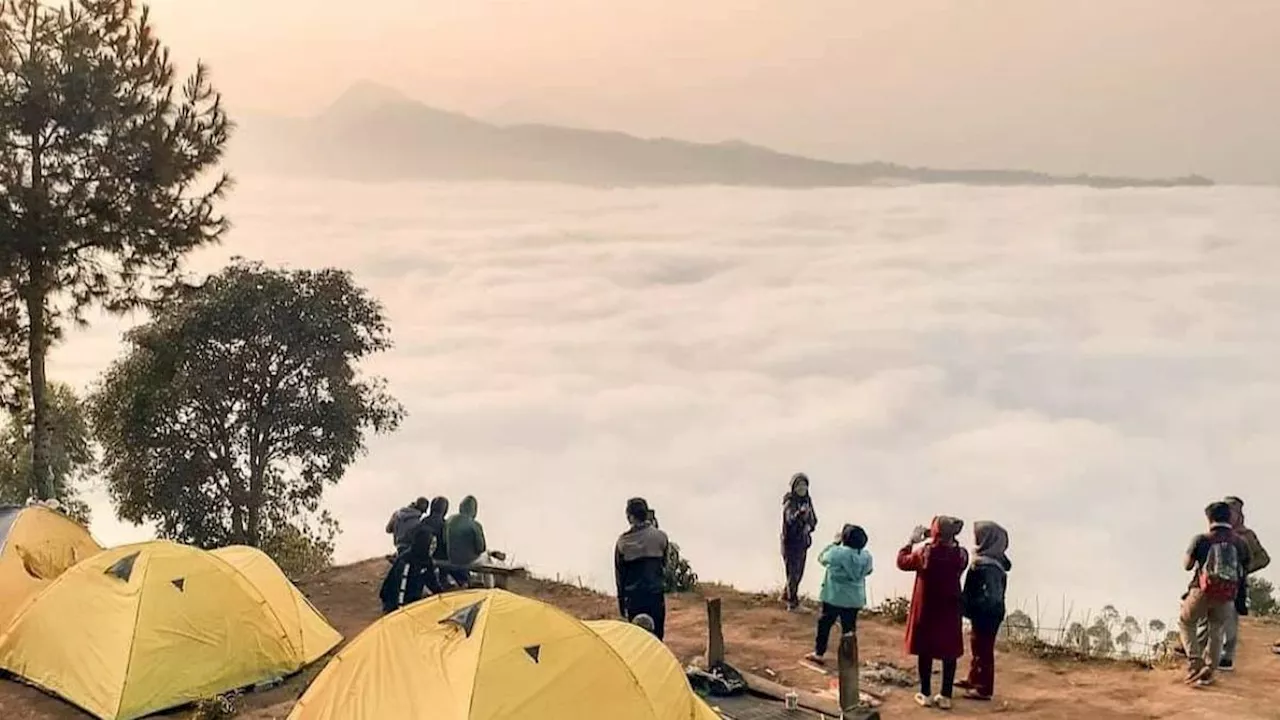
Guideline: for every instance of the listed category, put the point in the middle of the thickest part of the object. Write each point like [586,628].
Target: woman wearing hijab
[935,625]
[798,523]
[984,591]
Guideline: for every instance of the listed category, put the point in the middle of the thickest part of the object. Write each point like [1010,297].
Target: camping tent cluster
[130,631]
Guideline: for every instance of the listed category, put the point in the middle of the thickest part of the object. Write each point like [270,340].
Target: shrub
[677,575]
[895,610]
[1262,598]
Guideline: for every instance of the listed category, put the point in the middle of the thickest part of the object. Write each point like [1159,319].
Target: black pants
[926,676]
[406,582]
[848,618]
[655,606]
[793,561]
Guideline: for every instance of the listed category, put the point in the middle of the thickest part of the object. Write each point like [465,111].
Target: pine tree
[106,178]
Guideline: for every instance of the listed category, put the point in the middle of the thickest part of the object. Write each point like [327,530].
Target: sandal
[975,695]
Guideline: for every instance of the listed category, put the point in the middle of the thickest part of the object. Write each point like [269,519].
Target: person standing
[844,587]
[798,523]
[1218,560]
[935,625]
[403,521]
[1258,561]
[639,562]
[984,605]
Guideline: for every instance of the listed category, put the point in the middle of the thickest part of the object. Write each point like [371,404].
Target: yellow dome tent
[492,655]
[309,633]
[37,545]
[143,628]
[659,673]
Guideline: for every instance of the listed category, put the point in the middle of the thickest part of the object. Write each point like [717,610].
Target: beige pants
[1203,651]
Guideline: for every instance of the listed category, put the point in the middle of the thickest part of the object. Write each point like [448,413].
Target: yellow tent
[492,655]
[36,546]
[659,673]
[142,628]
[309,634]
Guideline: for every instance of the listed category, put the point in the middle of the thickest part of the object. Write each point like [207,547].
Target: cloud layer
[1088,368]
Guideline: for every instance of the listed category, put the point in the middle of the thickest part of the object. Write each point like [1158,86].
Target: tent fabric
[660,674]
[37,545]
[492,655]
[310,634]
[143,628]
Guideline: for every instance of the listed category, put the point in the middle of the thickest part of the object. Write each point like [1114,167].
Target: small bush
[677,575]
[895,610]
[302,552]
[1262,598]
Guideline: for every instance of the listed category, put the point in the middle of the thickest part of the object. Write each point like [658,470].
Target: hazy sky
[1133,86]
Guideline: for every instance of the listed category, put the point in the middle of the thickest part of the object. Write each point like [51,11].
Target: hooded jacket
[464,535]
[639,563]
[401,526]
[845,583]
[987,582]
[429,534]
[798,517]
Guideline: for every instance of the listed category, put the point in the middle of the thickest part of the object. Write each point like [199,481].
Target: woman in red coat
[935,627]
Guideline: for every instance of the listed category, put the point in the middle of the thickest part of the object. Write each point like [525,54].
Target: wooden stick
[715,634]
[849,678]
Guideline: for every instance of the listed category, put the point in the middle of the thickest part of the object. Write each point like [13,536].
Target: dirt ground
[760,635]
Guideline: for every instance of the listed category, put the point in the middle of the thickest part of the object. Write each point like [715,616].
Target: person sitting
[403,521]
[414,572]
[464,541]
[844,587]
[639,562]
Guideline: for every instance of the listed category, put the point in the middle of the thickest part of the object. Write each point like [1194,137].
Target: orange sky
[1117,86]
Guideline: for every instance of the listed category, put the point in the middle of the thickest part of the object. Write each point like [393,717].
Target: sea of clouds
[1089,368]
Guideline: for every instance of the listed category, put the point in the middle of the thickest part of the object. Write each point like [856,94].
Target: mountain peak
[364,96]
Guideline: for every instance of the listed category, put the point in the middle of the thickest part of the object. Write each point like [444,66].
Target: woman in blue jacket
[844,587]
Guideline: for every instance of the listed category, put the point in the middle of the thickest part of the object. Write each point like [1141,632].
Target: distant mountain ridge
[373,133]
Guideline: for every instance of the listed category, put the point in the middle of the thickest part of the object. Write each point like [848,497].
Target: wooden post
[850,692]
[715,634]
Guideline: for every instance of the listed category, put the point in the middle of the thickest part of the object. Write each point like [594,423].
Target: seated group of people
[434,550]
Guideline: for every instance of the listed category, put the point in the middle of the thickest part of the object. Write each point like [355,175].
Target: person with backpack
[1258,561]
[984,605]
[1218,560]
[798,523]
[935,625]
[844,587]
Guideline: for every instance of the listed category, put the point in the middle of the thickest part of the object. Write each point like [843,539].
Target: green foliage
[302,551]
[104,185]
[239,402]
[895,610]
[1262,597]
[71,456]
[677,575]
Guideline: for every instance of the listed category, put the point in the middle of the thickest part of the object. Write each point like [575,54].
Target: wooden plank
[715,633]
[777,691]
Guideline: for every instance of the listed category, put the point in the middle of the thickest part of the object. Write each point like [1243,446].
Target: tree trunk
[255,509]
[37,343]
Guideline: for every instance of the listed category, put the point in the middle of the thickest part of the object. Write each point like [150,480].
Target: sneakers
[923,700]
[1227,666]
[816,658]
[942,702]
[1200,676]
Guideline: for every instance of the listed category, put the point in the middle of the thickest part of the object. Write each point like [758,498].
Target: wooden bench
[498,574]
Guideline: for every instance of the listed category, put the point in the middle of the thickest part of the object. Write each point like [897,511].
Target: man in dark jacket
[413,571]
[464,540]
[403,521]
[639,559]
